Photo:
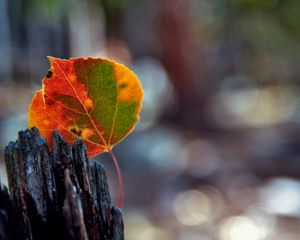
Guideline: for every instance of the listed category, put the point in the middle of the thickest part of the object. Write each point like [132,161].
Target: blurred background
[216,154]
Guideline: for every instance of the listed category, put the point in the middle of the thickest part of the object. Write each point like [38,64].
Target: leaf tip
[52,59]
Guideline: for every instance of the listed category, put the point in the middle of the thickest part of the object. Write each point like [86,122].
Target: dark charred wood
[58,194]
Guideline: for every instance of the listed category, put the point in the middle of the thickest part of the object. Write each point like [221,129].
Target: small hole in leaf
[49,74]
[76,132]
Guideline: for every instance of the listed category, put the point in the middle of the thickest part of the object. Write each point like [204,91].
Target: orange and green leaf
[95,99]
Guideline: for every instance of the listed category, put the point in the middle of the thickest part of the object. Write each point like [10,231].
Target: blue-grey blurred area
[216,154]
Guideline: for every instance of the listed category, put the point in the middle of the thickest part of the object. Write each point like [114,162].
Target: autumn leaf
[95,99]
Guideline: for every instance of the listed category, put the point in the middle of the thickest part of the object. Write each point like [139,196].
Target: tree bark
[58,194]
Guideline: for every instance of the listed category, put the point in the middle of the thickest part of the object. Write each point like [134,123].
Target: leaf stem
[120,179]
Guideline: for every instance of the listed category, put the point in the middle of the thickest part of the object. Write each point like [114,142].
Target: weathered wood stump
[58,194]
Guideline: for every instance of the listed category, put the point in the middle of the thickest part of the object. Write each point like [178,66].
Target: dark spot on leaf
[73,130]
[123,85]
[76,132]
[49,74]
[49,101]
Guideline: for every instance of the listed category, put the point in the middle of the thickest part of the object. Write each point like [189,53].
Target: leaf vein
[63,105]
[114,118]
